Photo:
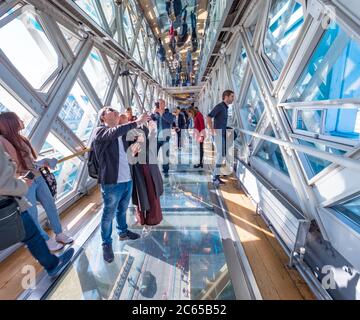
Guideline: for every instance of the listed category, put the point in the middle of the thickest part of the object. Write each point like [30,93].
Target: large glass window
[285,20]
[150,54]
[252,109]
[141,44]
[67,172]
[316,165]
[128,29]
[136,54]
[148,96]
[71,38]
[13,9]
[95,71]
[250,25]
[112,63]
[26,45]
[240,67]
[116,101]
[139,89]
[344,123]
[333,70]
[309,120]
[9,103]
[109,10]
[350,209]
[271,154]
[78,113]
[89,6]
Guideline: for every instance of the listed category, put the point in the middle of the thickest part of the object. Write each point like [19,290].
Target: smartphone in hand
[29,175]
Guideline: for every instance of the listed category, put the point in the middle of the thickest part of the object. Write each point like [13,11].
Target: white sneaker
[53,245]
[146,231]
[63,238]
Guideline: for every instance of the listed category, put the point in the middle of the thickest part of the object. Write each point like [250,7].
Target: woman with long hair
[199,132]
[22,153]
[147,180]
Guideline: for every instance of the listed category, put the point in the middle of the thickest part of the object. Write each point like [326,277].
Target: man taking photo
[114,176]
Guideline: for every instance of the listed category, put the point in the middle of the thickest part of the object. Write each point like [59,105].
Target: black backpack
[12,229]
[93,163]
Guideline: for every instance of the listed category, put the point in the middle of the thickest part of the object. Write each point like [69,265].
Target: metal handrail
[74,155]
[340,160]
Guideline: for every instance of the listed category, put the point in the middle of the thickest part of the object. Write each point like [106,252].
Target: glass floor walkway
[180,259]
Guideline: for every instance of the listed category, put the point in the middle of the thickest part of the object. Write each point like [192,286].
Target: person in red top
[199,132]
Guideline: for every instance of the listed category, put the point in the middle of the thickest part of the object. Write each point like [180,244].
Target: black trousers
[179,139]
[201,152]
[166,156]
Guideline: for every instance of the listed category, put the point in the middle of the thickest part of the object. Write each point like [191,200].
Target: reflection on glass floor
[180,259]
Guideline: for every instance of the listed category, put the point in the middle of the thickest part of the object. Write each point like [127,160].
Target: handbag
[50,180]
[12,229]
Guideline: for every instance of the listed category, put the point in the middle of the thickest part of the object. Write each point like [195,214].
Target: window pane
[13,9]
[71,39]
[136,54]
[333,70]
[96,73]
[316,165]
[240,68]
[309,120]
[141,44]
[350,209]
[112,63]
[9,103]
[78,113]
[109,10]
[344,123]
[66,173]
[150,54]
[271,154]
[289,113]
[139,89]
[89,7]
[285,21]
[148,95]
[23,40]
[128,28]
[253,108]
[116,102]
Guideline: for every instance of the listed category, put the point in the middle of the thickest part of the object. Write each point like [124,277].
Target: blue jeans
[39,191]
[36,243]
[116,201]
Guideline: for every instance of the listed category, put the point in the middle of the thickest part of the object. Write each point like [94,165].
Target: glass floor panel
[180,259]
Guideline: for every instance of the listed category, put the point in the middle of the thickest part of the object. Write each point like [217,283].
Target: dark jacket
[140,193]
[161,52]
[107,150]
[181,121]
[165,121]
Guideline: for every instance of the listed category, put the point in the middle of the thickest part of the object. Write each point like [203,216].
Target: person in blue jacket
[164,120]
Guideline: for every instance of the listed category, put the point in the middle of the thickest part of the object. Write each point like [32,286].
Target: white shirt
[124,169]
